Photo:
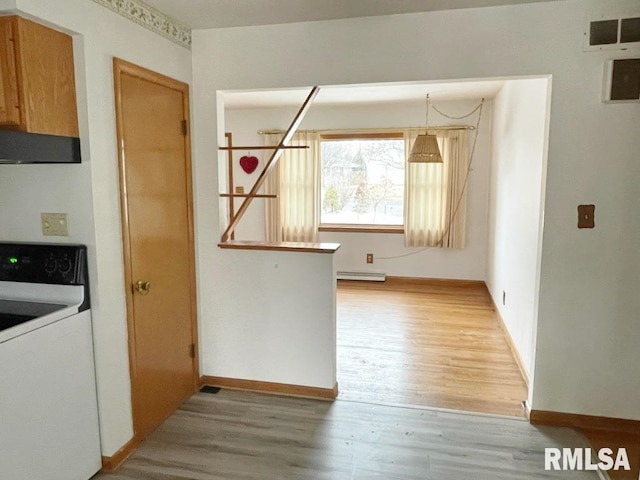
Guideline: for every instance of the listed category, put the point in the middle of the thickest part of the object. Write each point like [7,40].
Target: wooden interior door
[155,178]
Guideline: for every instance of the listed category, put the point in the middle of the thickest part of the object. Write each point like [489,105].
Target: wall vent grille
[613,33]
[621,80]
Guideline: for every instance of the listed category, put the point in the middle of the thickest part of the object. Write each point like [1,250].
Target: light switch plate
[55,224]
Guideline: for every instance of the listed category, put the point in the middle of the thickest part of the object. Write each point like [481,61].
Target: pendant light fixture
[425,148]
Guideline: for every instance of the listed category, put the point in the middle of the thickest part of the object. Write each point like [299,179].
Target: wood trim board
[231,185]
[432,281]
[111,464]
[511,343]
[271,387]
[358,136]
[352,228]
[583,422]
[302,247]
[263,147]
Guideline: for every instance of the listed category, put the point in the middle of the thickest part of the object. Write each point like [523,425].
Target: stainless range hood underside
[22,147]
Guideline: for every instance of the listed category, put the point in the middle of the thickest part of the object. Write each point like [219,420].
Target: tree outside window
[362,180]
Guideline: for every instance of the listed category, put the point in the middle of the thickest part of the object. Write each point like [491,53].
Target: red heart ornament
[248,164]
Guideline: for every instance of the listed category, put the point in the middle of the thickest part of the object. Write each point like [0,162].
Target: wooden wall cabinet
[37,81]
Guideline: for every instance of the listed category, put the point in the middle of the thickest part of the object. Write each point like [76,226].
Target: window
[363,189]
[362,180]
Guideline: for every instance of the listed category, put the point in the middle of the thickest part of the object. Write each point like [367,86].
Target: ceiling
[363,94]
[199,14]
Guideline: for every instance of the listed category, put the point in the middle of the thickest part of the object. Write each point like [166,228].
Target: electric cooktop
[15,312]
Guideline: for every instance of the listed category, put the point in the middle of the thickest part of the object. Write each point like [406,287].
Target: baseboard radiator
[366,276]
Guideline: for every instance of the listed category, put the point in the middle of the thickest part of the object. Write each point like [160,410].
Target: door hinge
[192,350]
[183,127]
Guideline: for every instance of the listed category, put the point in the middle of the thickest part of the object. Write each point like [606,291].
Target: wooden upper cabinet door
[9,102]
[44,78]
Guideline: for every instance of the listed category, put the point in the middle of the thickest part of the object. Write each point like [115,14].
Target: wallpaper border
[151,19]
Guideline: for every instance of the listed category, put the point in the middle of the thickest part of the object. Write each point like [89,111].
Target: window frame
[391,134]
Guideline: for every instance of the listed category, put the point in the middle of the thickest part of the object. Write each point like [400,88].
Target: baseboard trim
[271,388]
[511,343]
[111,464]
[584,422]
[432,281]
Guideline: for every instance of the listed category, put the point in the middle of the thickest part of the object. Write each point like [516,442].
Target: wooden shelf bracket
[263,147]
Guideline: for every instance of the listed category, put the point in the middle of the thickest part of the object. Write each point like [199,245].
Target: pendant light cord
[427,115]
[464,185]
[460,117]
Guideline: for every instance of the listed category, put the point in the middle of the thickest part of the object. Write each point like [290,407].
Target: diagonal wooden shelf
[271,163]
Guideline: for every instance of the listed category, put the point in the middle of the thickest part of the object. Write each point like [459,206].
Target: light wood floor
[435,344]
[245,436]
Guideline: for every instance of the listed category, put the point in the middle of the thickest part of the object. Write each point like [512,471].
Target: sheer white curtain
[293,216]
[435,193]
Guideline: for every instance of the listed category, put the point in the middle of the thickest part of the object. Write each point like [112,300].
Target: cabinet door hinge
[183,127]
[192,350]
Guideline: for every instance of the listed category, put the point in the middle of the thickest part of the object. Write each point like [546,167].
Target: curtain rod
[369,130]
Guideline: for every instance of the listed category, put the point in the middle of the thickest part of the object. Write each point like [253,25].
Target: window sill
[361,228]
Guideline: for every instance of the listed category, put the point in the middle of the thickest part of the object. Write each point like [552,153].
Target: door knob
[142,287]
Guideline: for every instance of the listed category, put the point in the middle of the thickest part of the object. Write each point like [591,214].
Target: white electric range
[48,403]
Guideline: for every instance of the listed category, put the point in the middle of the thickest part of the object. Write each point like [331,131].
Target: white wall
[467,263]
[260,336]
[89,192]
[515,226]
[587,348]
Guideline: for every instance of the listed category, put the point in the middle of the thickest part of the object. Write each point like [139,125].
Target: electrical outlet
[55,224]
[369,257]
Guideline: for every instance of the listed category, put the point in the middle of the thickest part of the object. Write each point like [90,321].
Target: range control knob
[50,265]
[64,265]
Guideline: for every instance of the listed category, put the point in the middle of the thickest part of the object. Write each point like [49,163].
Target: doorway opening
[498,266]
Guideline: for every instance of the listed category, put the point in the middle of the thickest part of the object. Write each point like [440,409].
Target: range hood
[22,147]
